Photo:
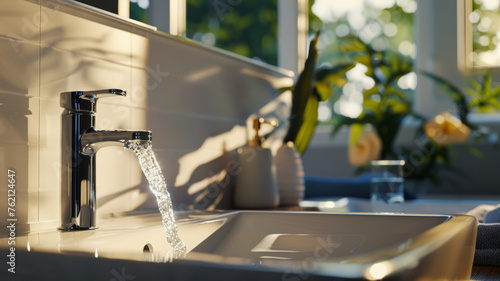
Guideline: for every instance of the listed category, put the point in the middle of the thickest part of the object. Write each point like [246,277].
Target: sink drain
[148,248]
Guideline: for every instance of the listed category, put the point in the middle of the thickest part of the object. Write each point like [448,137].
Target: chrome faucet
[80,142]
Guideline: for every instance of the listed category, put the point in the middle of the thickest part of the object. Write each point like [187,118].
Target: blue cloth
[342,187]
[337,187]
[488,235]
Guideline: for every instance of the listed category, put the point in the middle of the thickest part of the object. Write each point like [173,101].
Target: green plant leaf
[363,59]
[331,74]
[486,85]
[495,92]
[398,107]
[475,85]
[308,126]
[340,121]
[384,69]
[336,124]
[474,102]
[398,95]
[370,92]
[352,43]
[407,64]
[354,133]
[323,90]
[301,92]
[474,151]
[472,93]
[395,66]
[494,103]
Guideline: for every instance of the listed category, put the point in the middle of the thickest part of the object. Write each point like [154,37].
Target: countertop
[486,273]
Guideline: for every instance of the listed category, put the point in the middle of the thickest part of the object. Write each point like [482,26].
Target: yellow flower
[446,129]
[366,148]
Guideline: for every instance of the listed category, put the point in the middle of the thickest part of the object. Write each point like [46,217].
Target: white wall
[195,100]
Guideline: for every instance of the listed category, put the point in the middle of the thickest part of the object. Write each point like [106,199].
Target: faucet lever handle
[86,100]
[103,93]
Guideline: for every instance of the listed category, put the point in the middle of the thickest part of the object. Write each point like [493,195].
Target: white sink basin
[263,246]
[369,246]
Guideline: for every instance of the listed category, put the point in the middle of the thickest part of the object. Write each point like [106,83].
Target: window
[381,23]
[139,10]
[248,28]
[110,6]
[384,25]
[480,34]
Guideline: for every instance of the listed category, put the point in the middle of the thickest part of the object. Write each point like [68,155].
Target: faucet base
[76,228]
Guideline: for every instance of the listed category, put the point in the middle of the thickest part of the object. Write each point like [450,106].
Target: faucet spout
[94,140]
[80,142]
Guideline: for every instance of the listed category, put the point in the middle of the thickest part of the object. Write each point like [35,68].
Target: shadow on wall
[198,106]
[19,79]
[209,188]
[204,176]
[203,179]
[15,160]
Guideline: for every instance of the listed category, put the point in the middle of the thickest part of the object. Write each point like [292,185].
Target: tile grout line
[39,110]
[130,117]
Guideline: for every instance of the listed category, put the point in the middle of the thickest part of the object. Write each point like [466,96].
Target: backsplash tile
[20,20]
[112,116]
[19,67]
[22,159]
[50,168]
[19,119]
[65,71]
[113,179]
[221,87]
[183,131]
[64,31]
[176,62]
[50,122]
[49,205]
[139,45]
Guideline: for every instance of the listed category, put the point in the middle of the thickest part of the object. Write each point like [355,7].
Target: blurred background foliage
[485,18]
[248,28]
[358,33]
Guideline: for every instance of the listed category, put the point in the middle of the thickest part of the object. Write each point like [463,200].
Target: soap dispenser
[256,186]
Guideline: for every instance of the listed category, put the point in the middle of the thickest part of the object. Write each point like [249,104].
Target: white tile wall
[195,100]
[19,108]
[63,31]
[21,20]
[73,70]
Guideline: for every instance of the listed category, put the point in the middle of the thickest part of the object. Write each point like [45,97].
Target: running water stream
[157,184]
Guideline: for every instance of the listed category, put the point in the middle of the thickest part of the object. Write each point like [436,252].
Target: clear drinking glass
[387,185]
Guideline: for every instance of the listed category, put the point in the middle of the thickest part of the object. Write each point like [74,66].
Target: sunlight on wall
[207,152]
